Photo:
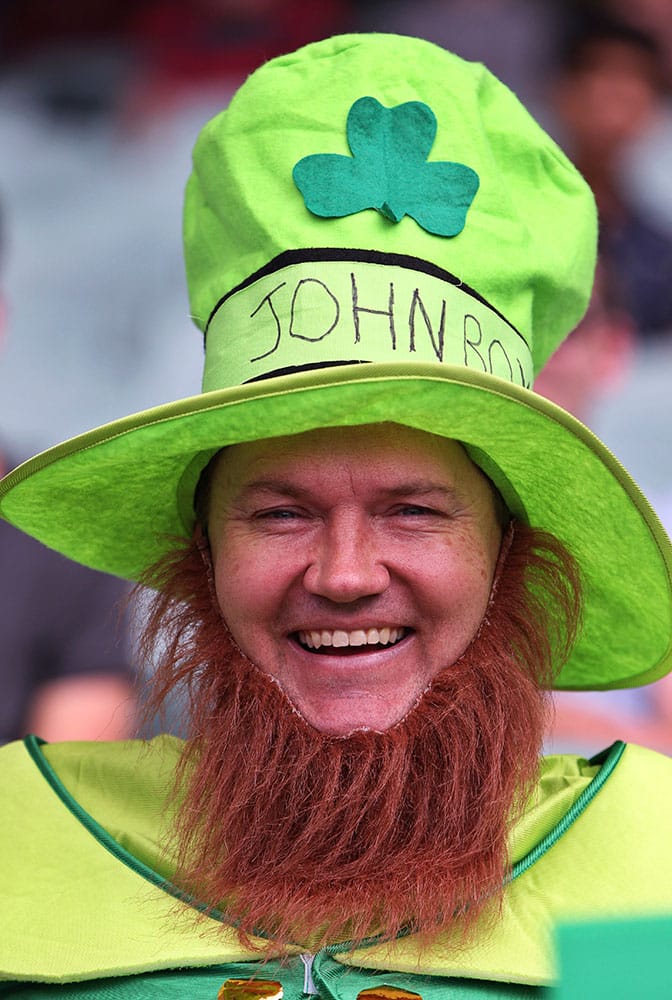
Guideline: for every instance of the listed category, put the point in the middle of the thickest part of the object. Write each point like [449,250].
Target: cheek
[250,584]
[237,586]
[241,603]
[460,591]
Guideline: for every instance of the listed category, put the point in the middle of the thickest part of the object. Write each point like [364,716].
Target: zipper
[309,988]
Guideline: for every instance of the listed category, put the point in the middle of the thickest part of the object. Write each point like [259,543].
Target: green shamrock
[388,171]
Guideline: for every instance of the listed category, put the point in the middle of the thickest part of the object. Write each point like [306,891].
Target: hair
[588,27]
[175,598]
[292,830]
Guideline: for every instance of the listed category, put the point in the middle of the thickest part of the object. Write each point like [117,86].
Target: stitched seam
[34,747]
[585,798]
[572,814]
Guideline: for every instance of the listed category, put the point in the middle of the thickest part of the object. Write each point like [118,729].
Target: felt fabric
[306,311]
[388,171]
[445,337]
[585,850]
[528,245]
[132,484]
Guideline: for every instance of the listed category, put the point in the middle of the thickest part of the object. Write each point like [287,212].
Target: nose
[348,563]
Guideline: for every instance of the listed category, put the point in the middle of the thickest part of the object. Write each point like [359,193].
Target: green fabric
[333,981]
[78,497]
[116,498]
[122,792]
[388,171]
[126,787]
[70,908]
[108,918]
[529,242]
[610,960]
[351,310]
[182,984]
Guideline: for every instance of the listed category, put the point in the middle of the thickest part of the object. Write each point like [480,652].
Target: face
[611,99]
[352,564]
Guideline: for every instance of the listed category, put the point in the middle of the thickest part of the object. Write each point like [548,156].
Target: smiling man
[373,550]
[352,565]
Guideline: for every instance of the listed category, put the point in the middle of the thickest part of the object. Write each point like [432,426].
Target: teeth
[359,637]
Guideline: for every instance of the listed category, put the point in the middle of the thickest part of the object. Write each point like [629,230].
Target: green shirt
[87,899]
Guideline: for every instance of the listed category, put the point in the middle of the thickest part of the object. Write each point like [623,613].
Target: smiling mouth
[357,641]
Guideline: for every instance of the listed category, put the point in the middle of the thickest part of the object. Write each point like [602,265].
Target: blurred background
[99,107]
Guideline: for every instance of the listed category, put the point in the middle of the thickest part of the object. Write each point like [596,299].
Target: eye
[415,510]
[278,514]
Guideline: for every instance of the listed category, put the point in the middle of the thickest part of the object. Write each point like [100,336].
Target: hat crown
[337,129]
[454,290]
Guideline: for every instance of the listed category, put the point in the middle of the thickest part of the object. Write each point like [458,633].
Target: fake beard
[311,838]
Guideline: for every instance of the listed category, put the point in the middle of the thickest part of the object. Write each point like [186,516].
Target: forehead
[382,456]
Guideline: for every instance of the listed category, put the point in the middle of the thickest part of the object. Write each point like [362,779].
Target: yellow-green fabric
[552,471]
[315,321]
[79,907]
[243,207]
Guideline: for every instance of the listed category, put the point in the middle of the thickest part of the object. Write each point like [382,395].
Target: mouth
[344,643]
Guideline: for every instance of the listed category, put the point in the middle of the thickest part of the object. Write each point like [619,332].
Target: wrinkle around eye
[417,510]
[279,514]
[281,519]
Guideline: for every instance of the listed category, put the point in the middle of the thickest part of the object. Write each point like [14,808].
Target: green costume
[346,269]
[589,845]
[375,231]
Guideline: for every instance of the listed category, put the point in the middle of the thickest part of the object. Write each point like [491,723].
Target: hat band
[336,307]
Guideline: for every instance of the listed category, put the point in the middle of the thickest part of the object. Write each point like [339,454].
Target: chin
[342,721]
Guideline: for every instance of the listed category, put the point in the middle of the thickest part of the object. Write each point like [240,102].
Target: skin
[96,707]
[352,529]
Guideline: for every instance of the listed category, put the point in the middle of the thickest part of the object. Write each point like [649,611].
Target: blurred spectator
[99,108]
[186,46]
[514,38]
[611,88]
[64,670]
[595,360]
[646,170]
[652,16]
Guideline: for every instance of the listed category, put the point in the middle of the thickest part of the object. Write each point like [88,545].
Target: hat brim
[115,497]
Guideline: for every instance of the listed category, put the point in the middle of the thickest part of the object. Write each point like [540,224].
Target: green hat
[376,230]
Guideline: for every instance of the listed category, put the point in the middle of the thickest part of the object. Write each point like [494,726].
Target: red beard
[310,838]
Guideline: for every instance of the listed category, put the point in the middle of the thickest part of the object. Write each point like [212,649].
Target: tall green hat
[376,230]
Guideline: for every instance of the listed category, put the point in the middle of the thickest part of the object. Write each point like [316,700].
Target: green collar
[101,805]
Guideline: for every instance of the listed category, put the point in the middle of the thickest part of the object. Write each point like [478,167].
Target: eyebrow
[415,488]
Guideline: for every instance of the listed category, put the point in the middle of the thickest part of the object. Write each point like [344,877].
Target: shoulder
[596,846]
[84,768]
[55,850]
[612,850]
[637,797]
[623,811]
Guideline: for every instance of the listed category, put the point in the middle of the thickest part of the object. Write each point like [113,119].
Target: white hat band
[337,307]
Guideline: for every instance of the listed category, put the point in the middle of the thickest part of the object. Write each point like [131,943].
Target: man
[609,94]
[368,541]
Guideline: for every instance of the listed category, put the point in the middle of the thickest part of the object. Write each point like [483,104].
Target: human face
[352,564]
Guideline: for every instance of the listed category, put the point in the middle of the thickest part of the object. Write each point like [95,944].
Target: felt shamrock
[388,171]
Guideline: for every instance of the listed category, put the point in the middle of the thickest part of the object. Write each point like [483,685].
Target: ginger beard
[311,838]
